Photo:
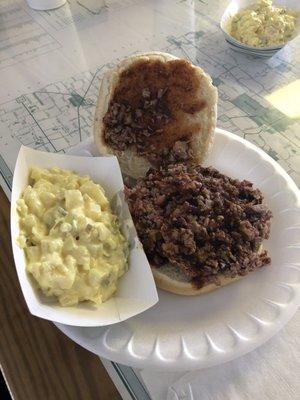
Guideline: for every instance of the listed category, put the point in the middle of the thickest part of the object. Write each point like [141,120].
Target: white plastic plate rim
[234,320]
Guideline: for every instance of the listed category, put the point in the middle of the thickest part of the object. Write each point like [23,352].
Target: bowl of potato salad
[260,27]
[76,251]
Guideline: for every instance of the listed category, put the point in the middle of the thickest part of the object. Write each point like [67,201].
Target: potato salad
[73,245]
[263,24]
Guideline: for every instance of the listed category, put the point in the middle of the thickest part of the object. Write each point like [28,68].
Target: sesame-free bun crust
[165,282]
[131,163]
[172,280]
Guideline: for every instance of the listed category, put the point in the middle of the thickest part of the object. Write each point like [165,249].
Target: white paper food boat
[136,289]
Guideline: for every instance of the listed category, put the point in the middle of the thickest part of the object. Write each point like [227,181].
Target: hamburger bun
[200,229]
[198,125]
[171,279]
[174,282]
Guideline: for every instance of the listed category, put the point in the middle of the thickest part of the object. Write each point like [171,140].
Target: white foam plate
[184,333]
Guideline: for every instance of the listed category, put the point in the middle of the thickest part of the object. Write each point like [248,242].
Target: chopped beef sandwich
[199,228]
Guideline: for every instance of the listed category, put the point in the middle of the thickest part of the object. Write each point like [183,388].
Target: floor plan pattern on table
[77,11]
[21,37]
[61,114]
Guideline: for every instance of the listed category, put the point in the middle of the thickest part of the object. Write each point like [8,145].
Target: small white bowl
[234,7]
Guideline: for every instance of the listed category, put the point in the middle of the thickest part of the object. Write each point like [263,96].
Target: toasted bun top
[189,98]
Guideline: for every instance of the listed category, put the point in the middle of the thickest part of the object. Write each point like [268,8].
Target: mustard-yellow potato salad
[73,245]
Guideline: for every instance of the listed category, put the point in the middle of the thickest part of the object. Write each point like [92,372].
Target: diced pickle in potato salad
[73,245]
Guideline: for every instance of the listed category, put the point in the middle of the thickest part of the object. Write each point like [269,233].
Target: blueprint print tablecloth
[51,64]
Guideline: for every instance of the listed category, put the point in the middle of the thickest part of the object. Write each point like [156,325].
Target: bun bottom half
[171,279]
[185,288]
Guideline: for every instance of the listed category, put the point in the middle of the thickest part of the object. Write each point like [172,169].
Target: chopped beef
[180,151]
[127,126]
[151,110]
[200,221]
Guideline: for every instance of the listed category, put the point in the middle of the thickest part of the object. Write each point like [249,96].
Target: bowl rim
[253,50]
[236,42]
[247,52]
